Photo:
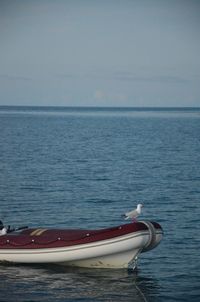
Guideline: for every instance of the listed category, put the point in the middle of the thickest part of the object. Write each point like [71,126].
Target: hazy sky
[100,53]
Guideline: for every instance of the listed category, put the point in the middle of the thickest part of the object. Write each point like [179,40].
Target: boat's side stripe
[76,247]
[38,232]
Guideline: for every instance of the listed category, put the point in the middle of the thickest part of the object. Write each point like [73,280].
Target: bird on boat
[134,213]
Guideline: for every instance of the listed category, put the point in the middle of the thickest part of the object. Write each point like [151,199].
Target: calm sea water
[76,167]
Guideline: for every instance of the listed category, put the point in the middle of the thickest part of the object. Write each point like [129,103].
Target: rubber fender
[152,237]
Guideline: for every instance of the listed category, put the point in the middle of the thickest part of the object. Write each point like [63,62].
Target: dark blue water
[76,167]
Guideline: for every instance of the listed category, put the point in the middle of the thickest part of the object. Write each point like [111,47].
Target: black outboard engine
[1,225]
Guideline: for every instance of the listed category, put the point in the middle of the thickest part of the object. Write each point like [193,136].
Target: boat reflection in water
[51,282]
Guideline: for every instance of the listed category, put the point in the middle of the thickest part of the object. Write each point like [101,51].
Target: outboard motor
[1,225]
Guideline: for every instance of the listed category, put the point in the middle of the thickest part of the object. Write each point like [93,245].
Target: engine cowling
[155,235]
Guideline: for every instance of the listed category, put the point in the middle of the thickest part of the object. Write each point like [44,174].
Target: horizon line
[101,107]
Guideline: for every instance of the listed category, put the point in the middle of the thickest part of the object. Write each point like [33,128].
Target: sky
[130,53]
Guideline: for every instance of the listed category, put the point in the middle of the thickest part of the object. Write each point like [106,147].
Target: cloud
[126,76]
[66,76]
[131,77]
[14,77]
[113,96]
[99,95]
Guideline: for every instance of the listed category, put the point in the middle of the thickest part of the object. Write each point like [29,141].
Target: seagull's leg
[133,220]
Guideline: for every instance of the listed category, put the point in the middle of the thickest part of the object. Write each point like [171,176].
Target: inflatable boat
[115,247]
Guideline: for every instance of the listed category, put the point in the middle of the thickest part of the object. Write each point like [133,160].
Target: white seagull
[134,213]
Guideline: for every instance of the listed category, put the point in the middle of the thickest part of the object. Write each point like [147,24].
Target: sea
[83,168]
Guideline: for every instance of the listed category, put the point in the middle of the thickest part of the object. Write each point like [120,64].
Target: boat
[114,247]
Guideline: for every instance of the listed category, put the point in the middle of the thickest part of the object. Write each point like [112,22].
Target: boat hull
[116,252]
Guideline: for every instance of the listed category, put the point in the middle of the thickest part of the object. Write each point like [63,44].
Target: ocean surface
[83,168]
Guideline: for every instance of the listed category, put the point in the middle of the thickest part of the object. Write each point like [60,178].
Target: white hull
[117,252]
